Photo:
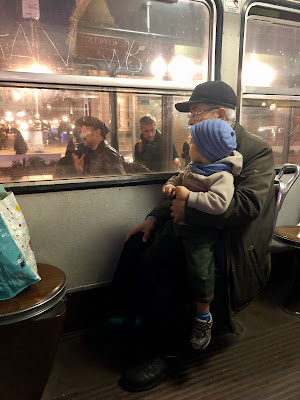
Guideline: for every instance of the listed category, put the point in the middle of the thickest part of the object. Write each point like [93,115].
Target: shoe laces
[202,326]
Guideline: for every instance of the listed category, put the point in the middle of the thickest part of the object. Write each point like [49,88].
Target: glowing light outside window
[16,95]
[182,69]
[256,73]
[159,68]
[9,117]
[24,126]
[36,68]
[20,114]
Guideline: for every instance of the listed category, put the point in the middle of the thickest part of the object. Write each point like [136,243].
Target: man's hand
[78,162]
[182,193]
[176,163]
[168,190]
[178,211]
[146,226]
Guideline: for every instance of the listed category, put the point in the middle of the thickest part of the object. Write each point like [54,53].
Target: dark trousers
[149,283]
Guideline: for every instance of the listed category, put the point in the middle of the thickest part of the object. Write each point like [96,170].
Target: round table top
[288,234]
[53,281]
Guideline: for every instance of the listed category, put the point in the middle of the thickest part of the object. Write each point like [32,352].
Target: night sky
[54,20]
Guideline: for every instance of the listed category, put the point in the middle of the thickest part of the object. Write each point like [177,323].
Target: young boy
[207,185]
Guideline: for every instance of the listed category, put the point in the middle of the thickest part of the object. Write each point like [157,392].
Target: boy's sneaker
[201,333]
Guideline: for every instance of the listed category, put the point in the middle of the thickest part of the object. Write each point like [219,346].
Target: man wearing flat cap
[151,273]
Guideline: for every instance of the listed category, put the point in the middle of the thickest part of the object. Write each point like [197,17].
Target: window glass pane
[278,125]
[42,129]
[271,60]
[111,38]
[272,57]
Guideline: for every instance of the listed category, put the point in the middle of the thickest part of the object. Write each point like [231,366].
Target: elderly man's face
[148,131]
[201,112]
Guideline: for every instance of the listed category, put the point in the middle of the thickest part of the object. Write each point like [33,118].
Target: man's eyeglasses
[196,113]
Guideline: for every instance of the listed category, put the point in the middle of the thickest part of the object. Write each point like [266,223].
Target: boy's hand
[168,190]
[182,193]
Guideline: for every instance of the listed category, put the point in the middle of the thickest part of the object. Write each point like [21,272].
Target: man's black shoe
[148,374]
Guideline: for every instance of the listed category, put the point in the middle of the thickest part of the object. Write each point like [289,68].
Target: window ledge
[86,183]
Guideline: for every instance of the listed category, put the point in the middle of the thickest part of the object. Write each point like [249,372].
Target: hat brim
[185,106]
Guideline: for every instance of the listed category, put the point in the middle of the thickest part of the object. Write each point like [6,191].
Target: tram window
[270,80]
[38,126]
[279,126]
[112,38]
[272,57]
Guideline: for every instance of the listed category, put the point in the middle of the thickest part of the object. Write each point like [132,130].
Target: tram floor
[261,363]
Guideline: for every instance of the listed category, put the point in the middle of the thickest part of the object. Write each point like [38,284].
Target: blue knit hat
[214,138]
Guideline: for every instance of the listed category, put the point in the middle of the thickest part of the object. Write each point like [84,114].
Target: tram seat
[30,327]
[282,189]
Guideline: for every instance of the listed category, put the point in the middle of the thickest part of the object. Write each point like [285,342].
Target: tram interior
[251,362]
[119,61]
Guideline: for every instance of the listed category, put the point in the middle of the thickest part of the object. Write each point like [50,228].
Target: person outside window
[2,138]
[101,159]
[148,151]
[150,277]
[20,145]
[185,153]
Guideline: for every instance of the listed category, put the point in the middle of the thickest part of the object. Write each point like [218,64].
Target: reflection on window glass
[111,38]
[53,134]
[272,60]
[272,57]
[279,126]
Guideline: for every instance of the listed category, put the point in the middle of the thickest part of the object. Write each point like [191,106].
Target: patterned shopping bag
[18,267]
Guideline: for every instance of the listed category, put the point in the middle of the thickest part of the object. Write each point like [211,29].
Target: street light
[159,68]
[35,68]
[16,95]
[182,69]
[9,117]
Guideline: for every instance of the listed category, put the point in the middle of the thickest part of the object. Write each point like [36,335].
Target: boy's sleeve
[217,199]
[252,190]
[175,180]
